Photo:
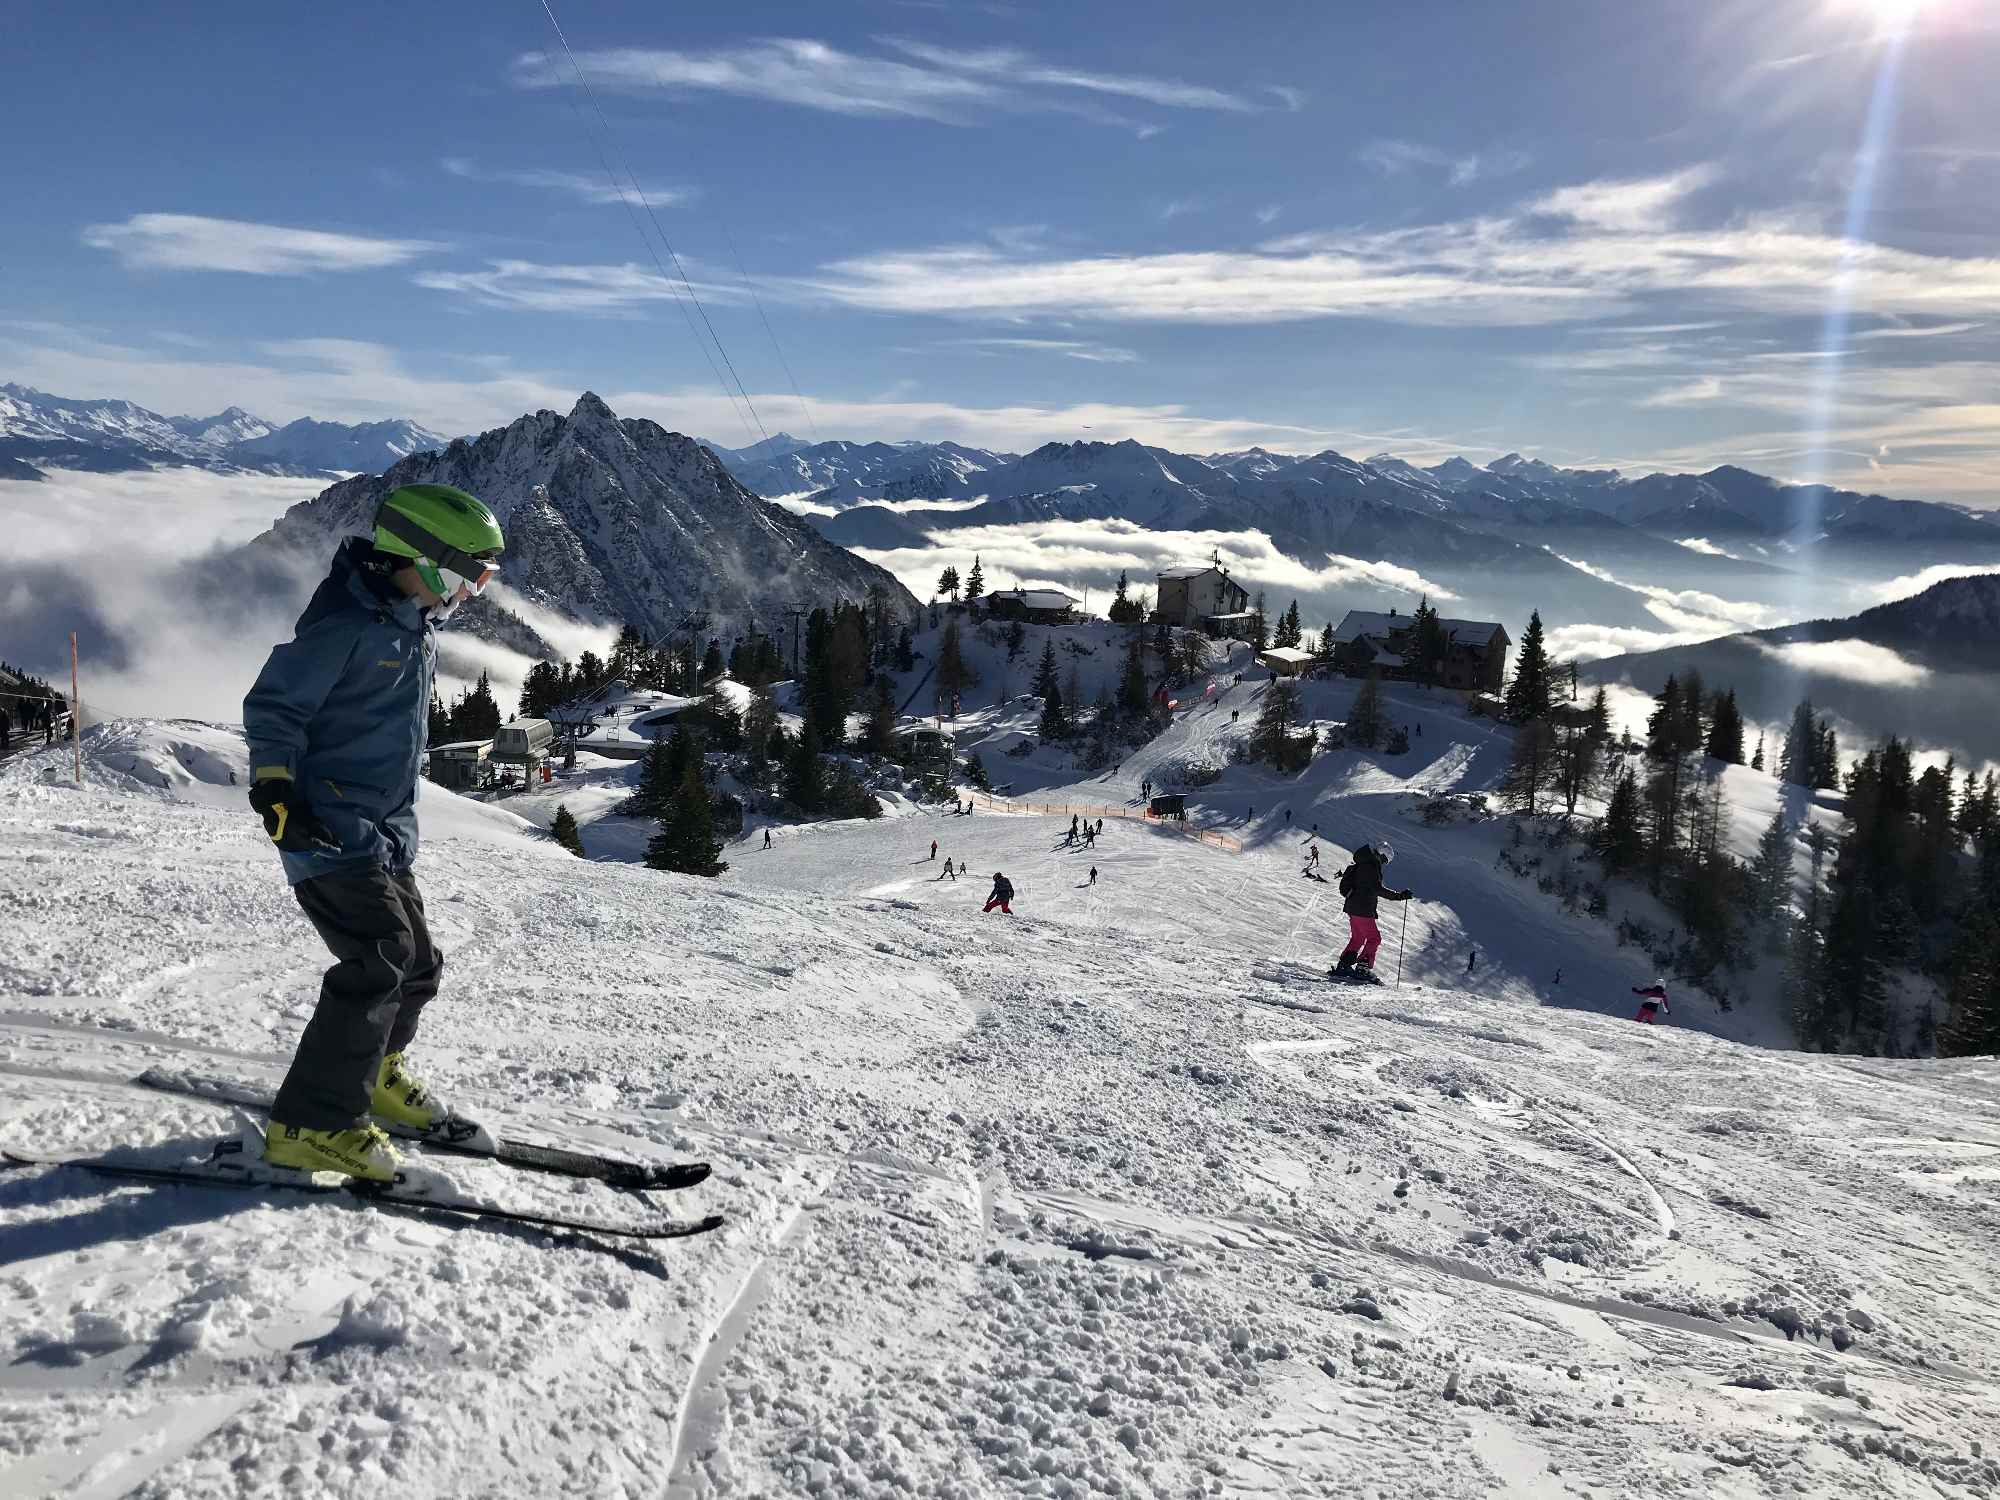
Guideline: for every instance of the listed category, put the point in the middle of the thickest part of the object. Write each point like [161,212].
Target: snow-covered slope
[1097,1199]
[620,520]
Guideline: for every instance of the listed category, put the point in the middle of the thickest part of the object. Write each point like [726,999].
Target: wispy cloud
[1393,158]
[1936,331]
[912,80]
[1692,393]
[575,184]
[1175,208]
[1631,204]
[1580,254]
[1268,214]
[531,286]
[1105,354]
[1911,584]
[194,242]
[1013,67]
[1293,99]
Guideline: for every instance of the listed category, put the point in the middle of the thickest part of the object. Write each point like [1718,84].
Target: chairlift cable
[640,192]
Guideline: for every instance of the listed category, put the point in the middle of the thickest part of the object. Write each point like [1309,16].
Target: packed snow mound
[208,765]
[1112,1196]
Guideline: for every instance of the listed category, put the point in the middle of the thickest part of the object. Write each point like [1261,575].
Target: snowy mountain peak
[616,519]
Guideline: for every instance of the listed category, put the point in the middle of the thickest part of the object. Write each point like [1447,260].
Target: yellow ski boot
[404,1102]
[363,1151]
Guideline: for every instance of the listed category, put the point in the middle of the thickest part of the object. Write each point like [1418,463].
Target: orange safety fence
[1095,810]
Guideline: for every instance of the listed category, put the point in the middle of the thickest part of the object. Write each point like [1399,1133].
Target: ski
[457,1137]
[231,1166]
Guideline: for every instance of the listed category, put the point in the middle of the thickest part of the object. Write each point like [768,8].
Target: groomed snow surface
[1109,1197]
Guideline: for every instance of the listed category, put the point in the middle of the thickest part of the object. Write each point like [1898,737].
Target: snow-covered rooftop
[1360,622]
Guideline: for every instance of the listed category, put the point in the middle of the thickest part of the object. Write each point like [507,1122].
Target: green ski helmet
[450,536]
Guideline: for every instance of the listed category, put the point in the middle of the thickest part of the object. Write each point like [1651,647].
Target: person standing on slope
[1361,885]
[336,724]
[1003,893]
[1652,1000]
[933,848]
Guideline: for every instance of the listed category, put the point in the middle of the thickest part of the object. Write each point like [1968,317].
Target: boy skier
[1003,892]
[1361,884]
[335,724]
[1652,1000]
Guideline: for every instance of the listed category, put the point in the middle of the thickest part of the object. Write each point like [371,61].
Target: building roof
[1037,598]
[1290,655]
[1189,572]
[462,747]
[1360,622]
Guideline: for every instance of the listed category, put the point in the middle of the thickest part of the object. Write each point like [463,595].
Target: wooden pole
[75,712]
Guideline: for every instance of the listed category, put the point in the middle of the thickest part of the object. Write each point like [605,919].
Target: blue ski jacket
[342,709]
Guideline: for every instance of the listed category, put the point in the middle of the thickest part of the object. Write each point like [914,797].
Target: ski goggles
[461,577]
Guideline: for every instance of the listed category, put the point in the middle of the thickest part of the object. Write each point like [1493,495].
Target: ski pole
[1402,943]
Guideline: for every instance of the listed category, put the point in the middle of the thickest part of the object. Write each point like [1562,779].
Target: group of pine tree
[1911,878]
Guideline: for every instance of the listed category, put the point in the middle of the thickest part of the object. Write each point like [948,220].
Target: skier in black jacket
[1361,883]
[1003,892]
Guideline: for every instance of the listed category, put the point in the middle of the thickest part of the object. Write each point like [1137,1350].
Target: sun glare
[1892,17]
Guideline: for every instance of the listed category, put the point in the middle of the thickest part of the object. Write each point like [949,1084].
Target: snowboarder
[767,838]
[1074,819]
[1312,856]
[335,725]
[1003,892]
[1652,1000]
[933,848]
[1093,874]
[1361,884]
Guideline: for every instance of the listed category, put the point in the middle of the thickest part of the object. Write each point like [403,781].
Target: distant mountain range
[1921,667]
[1501,534]
[1767,518]
[39,432]
[616,519]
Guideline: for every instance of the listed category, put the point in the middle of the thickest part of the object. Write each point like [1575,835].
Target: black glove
[288,820]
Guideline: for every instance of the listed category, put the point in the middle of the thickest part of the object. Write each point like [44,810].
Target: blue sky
[1649,235]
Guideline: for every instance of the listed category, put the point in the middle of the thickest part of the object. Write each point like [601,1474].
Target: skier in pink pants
[1361,884]
[1652,1000]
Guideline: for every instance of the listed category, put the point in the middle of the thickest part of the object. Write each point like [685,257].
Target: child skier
[1652,1000]
[933,848]
[1093,875]
[1361,884]
[1003,892]
[335,724]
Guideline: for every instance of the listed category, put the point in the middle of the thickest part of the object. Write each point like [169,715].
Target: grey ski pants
[386,971]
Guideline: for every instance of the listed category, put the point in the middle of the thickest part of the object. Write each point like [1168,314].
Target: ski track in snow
[1116,1196]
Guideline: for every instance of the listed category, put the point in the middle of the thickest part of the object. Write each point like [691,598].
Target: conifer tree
[805,781]
[657,782]
[1428,644]
[1577,754]
[879,734]
[1757,760]
[975,773]
[1799,757]
[565,831]
[1528,695]
[975,581]
[1620,844]
[711,662]
[1055,725]
[1530,770]
[760,721]
[1725,729]
[1134,697]
[1599,723]
[1770,879]
[1826,760]
[1271,739]
[686,842]
[1365,720]
[1047,681]
[948,583]
[1260,630]
[952,674]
